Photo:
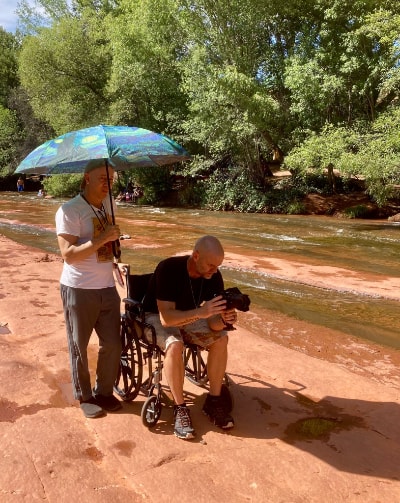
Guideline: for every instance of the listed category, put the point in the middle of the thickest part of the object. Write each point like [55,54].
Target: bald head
[209,244]
[206,257]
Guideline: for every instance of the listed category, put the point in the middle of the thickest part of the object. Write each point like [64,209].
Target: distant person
[41,193]
[136,194]
[183,303]
[120,197]
[90,298]
[20,184]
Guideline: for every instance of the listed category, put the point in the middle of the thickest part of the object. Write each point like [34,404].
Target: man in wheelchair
[184,304]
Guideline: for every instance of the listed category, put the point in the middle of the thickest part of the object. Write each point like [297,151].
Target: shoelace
[183,416]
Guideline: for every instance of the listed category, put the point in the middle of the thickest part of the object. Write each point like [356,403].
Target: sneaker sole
[228,426]
[92,412]
[190,436]
[114,409]
[108,408]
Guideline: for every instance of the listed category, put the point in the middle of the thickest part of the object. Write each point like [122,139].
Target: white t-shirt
[78,218]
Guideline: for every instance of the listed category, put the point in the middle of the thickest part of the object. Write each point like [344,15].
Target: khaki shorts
[198,333]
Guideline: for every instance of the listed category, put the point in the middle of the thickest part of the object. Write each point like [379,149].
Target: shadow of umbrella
[122,147]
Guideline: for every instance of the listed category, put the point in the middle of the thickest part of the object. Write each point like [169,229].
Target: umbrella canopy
[124,146]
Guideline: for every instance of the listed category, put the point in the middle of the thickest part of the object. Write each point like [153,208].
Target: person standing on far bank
[89,295]
[20,184]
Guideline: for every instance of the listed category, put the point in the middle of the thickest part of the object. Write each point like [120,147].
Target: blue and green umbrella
[124,147]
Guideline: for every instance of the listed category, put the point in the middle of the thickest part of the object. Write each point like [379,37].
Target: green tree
[337,74]
[10,134]
[147,44]
[65,71]
[233,76]
[8,65]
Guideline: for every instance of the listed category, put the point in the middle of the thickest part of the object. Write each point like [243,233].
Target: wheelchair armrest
[152,330]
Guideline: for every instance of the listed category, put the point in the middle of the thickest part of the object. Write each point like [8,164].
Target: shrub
[296,208]
[63,185]
[359,211]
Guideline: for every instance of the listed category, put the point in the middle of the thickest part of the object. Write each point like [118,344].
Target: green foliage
[190,194]
[155,182]
[145,76]
[239,83]
[232,192]
[358,211]
[10,135]
[8,65]
[296,208]
[371,153]
[63,185]
[319,151]
[65,71]
[236,192]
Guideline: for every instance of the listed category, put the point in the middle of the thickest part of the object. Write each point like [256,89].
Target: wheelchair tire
[151,411]
[129,378]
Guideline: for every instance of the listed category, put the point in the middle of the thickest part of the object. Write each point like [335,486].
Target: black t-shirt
[171,282]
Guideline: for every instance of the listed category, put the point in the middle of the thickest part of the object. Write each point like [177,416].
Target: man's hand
[110,233]
[229,317]
[212,307]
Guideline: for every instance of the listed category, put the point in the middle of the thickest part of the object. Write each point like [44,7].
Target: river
[334,273]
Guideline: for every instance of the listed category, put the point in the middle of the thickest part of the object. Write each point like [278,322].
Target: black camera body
[235,299]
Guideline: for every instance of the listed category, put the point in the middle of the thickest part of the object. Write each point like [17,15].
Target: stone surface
[307,430]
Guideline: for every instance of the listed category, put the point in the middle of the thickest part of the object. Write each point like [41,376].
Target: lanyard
[103,220]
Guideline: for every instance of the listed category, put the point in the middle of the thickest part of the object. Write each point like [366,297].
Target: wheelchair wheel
[130,372]
[195,366]
[151,411]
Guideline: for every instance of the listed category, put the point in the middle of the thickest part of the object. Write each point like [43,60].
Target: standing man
[183,303]
[90,298]
[20,184]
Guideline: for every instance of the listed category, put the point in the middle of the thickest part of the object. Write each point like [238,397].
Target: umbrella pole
[115,244]
[110,194]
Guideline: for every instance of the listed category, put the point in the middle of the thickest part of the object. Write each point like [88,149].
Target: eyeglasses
[103,180]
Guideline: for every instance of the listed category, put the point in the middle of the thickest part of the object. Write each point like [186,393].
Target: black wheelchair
[140,350]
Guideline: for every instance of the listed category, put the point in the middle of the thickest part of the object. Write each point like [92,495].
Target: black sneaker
[109,403]
[183,424]
[215,408]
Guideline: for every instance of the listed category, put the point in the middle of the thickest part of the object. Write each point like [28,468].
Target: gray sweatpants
[84,311]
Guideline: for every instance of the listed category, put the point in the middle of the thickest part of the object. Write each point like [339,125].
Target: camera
[235,299]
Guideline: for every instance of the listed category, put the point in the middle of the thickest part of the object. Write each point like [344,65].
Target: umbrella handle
[116,247]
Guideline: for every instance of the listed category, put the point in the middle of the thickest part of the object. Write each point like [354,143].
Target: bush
[228,191]
[156,183]
[191,194]
[359,211]
[63,185]
[296,208]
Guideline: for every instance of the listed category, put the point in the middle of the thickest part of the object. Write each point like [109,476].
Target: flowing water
[265,255]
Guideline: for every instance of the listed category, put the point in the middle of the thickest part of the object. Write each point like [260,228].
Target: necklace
[196,305]
[102,218]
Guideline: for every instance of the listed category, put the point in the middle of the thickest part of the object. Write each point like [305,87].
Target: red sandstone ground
[303,376]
